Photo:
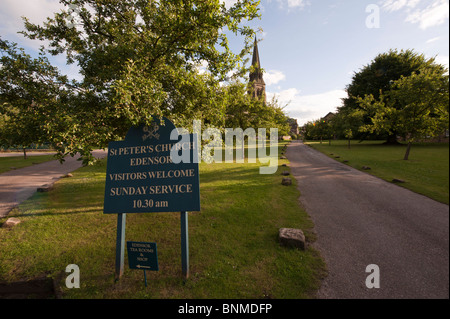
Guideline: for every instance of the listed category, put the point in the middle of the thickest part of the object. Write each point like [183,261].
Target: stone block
[286,182]
[11,222]
[291,237]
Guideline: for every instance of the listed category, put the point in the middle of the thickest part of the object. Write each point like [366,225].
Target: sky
[309,49]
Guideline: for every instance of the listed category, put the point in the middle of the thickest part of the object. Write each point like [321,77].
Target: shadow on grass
[47,212]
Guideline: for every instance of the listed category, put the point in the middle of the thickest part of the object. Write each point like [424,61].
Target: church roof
[255,59]
[256,73]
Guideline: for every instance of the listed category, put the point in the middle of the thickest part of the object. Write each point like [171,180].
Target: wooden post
[184,245]
[120,245]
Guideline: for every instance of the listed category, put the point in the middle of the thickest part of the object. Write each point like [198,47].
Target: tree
[20,129]
[30,92]
[139,58]
[416,107]
[347,123]
[377,78]
[317,129]
[244,111]
[307,130]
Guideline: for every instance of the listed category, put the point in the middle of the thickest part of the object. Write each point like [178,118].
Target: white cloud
[296,3]
[395,5]
[426,13]
[433,40]
[435,14]
[285,96]
[273,77]
[305,108]
[293,3]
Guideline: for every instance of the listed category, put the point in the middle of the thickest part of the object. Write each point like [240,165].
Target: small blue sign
[142,255]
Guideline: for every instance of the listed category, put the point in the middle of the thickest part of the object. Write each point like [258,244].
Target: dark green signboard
[142,255]
[155,169]
[142,177]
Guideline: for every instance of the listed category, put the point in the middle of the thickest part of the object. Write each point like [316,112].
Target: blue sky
[309,48]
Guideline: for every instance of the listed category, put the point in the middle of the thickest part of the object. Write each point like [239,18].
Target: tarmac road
[362,220]
[18,185]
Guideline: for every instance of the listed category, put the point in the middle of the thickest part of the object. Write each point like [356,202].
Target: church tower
[256,75]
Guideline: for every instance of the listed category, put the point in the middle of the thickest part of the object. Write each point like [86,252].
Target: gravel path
[362,220]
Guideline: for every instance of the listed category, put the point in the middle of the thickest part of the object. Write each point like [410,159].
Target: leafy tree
[244,111]
[317,129]
[424,101]
[30,92]
[139,58]
[312,130]
[20,129]
[307,130]
[347,123]
[377,79]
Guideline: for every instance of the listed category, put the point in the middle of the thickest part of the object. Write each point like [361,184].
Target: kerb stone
[291,237]
[11,222]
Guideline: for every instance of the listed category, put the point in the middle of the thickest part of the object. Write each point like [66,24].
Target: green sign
[142,176]
[142,255]
[155,169]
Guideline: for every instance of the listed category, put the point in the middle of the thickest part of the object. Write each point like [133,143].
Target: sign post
[143,176]
[120,244]
[184,245]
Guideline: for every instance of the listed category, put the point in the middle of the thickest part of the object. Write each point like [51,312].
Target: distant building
[328,117]
[256,76]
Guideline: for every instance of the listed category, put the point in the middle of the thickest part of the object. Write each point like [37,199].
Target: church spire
[255,60]
[256,75]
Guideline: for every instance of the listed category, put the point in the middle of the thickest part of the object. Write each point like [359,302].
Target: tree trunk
[407,151]
[392,140]
[349,143]
[24,153]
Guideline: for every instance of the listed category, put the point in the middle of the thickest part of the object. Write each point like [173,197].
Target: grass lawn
[234,251]
[8,163]
[426,172]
